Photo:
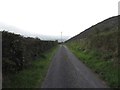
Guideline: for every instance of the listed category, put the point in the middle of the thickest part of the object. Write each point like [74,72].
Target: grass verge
[31,77]
[104,68]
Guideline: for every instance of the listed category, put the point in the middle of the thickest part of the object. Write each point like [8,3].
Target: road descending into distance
[66,71]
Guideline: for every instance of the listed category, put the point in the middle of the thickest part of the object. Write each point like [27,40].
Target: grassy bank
[33,76]
[106,68]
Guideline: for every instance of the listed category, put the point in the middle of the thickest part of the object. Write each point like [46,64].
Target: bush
[18,52]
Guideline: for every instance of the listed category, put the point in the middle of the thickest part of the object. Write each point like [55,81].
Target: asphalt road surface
[66,71]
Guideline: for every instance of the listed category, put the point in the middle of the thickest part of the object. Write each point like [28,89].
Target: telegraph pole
[61,37]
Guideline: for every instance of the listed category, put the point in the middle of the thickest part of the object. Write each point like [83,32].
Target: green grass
[104,68]
[33,76]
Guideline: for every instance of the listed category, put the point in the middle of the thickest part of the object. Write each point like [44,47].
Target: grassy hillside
[97,47]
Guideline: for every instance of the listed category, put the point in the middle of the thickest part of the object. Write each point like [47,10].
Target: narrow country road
[66,71]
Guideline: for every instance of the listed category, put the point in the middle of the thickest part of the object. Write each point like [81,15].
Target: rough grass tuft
[93,59]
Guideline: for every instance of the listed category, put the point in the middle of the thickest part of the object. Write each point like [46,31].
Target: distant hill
[25,33]
[107,25]
[102,37]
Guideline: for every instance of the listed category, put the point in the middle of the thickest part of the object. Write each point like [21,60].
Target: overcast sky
[51,17]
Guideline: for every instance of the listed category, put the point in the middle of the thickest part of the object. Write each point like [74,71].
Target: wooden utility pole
[61,37]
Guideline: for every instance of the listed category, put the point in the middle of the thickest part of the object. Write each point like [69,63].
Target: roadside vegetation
[33,76]
[97,47]
[25,60]
[106,69]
